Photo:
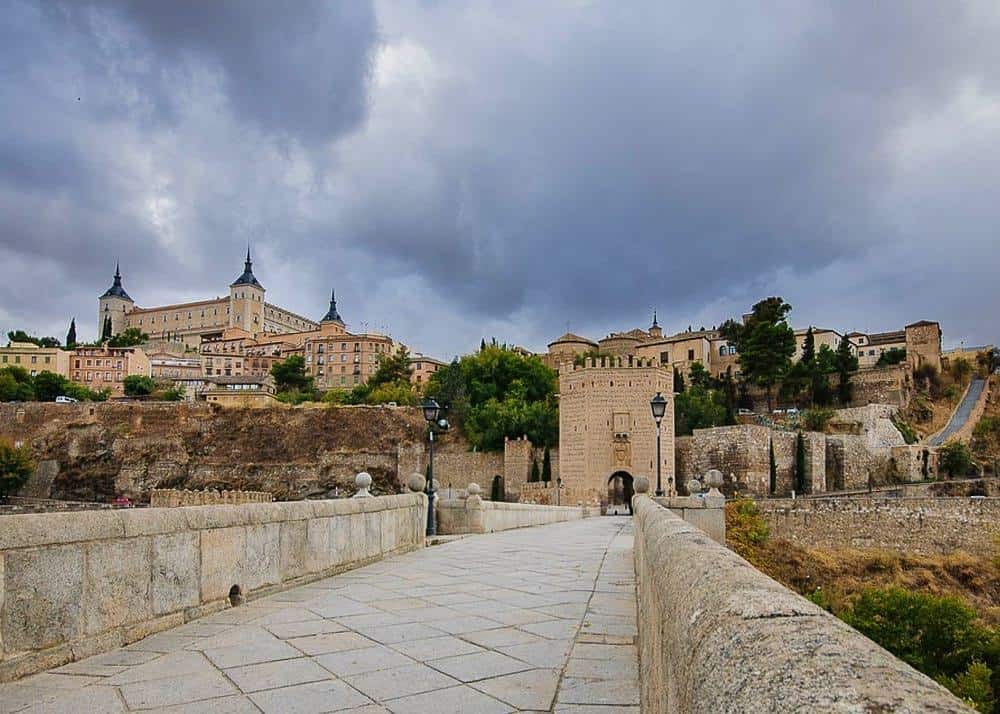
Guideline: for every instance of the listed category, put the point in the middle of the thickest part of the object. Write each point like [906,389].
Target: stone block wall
[172,498]
[928,526]
[881,385]
[75,584]
[717,635]
[474,515]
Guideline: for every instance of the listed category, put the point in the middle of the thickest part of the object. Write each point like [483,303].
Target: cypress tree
[482,344]
[773,486]
[845,363]
[678,381]
[800,464]
[533,478]
[106,332]
[547,466]
[71,335]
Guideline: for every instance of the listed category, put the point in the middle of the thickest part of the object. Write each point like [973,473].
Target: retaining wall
[474,515]
[716,635]
[928,526]
[74,584]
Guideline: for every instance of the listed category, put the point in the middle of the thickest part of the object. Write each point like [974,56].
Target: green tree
[49,385]
[138,385]
[955,459]
[131,337]
[773,468]
[172,394]
[698,408]
[16,466]
[800,464]
[893,355]
[678,381]
[502,394]
[846,363]
[764,344]
[960,368]
[392,368]
[988,361]
[290,375]
[71,335]
[16,385]
[22,336]
[547,466]
[534,476]
[699,376]
[106,330]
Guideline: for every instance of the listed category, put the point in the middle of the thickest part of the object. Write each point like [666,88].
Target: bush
[746,529]
[938,635]
[909,435]
[136,385]
[895,355]
[815,419]
[973,686]
[955,459]
[173,394]
[15,468]
[960,368]
[336,396]
[400,392]
[295,396]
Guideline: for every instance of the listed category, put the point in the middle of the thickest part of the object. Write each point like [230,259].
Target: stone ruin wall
[95,452]
[926,526]
[833,461]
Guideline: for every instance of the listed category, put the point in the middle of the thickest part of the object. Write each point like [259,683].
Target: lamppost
[432,413]
[658,405]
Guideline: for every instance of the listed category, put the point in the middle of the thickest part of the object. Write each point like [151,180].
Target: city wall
[75,584]
[697,599]
[928,526]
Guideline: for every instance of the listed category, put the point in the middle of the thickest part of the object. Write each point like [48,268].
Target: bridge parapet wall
[473,515]
[715,634]
[75,584]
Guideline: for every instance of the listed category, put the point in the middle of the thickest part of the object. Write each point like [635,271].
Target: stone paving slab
[532,620]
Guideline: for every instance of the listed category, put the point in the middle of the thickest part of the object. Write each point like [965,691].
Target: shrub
[988,426]
[973,686]
[938,635]
[955,459]
[15,468]
[960,368]
[815,419]
[892,356]
[336,396]
[909,434]
[746,529]
[173,394]
[137,385]
[401,393]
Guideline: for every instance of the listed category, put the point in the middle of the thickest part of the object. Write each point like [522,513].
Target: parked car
[792,410]
[61,399]
[744,412]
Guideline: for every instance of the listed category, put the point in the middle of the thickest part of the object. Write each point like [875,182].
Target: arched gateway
[620,491]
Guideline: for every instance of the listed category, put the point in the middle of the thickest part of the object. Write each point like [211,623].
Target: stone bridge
[337,606]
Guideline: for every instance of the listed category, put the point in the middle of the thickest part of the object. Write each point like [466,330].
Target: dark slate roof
[332,315]
[116,289]
[248,277]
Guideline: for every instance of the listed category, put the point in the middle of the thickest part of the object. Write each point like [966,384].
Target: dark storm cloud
[509,168]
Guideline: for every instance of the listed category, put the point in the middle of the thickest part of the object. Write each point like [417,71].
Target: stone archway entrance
[620,493]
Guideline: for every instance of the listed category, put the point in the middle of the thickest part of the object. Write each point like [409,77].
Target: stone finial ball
[714,478]
[363,480]
[474,489]
[641,485]
[693,486]
[416,482]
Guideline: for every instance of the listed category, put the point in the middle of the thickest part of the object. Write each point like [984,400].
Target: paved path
[961,414]
[538,619]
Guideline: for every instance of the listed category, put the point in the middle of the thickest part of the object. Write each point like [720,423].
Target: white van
[66,400]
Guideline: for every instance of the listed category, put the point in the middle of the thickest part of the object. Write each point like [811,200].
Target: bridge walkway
[538,619]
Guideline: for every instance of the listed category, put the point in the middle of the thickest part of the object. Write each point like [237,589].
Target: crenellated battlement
[627,362]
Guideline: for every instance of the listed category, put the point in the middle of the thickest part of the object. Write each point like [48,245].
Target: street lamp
[658,405]
[432,412]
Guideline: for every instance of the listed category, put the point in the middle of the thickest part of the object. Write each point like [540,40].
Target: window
[722,351]
[690,355]
[48,360]
[34,359]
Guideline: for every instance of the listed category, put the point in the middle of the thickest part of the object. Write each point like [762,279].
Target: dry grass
[842,573]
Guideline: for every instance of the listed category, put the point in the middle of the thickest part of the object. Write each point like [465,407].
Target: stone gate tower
[607,435]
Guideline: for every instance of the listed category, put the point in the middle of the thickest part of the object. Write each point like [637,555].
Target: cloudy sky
[463,169]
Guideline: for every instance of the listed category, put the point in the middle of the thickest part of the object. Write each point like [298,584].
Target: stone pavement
[537,619]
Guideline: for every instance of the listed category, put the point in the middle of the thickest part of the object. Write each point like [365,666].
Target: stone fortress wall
[868,446]
[173,498]
[75,584]
[926,526]
[715,635]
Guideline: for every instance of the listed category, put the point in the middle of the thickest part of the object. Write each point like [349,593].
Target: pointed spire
[248,277]
[332,315]
[116,289]
[655,323]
